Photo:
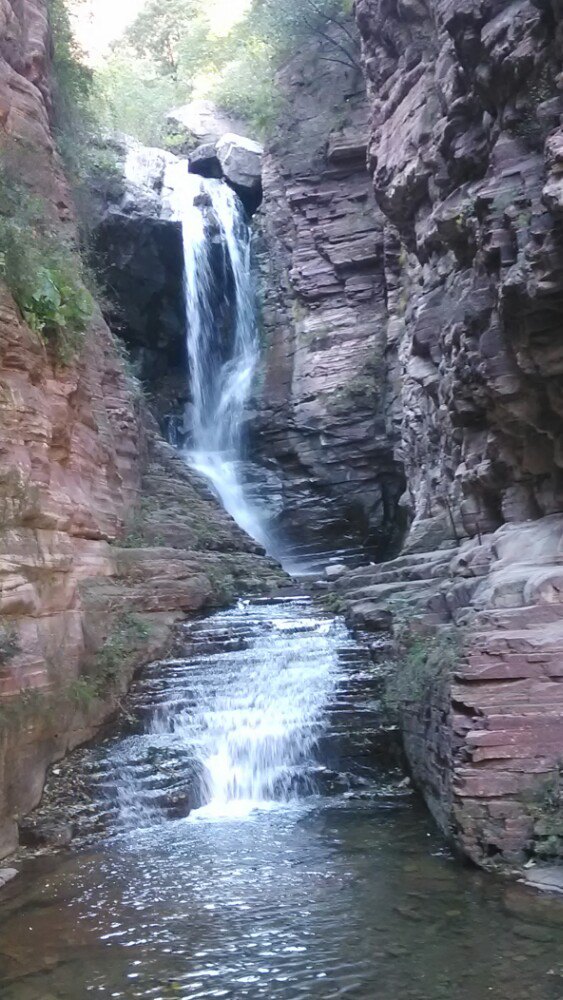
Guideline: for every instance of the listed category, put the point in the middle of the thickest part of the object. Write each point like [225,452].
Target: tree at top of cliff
[162,30]
[286,22]
[174,48]
[271,33]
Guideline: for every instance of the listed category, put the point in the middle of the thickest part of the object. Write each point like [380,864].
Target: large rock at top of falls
[201,122]
[238,161]
[205,162]
[139,250]
[241,163]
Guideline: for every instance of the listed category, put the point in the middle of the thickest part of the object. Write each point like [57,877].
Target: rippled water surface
[322,882]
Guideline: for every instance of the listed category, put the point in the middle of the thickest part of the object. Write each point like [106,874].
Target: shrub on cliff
[545,808]
[42,269]
[43,273]
[174,48]
[288,23]
[78,120]
[271,33]
[137,97]
[244,87]
[423,664]
[75,100]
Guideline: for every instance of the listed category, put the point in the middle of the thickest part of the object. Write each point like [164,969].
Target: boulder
[205,162]
[6,875]
[241,163]
[335,571]
[199,122]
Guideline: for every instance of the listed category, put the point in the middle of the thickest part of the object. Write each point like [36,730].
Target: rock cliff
[413,373]
[464,150]
[320,407]
[463,100]
[105,538]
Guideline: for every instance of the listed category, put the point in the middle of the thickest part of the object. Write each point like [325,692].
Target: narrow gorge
[281,503]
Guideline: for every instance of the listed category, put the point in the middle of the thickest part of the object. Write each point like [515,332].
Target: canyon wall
[320,408]
[413,375]
[464,97]
[464,149]
[106,539]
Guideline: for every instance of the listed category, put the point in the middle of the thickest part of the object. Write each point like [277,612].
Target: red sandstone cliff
[418,333]
[80,467]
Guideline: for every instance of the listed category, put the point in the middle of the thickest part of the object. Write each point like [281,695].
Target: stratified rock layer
[463,98]
[465,151]
[486,744]
[105,537]
[320,410]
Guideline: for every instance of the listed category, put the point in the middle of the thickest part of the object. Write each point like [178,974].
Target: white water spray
[222,336]
[258,711]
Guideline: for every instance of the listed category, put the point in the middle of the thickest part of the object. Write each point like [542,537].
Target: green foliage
[545,807]
[83,692]
[80,114]
[75,119]
[9,644]
[23,707]
[170,50]
[163,30]
[42,270]
[422,667]
[287,24]
[128,632]
[272,31]
[223,586]
[43,273]
[134,537]
[137,96]
[244,86]
[334,602]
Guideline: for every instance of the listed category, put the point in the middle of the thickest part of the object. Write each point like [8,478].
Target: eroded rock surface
[484,746]
[320,411]
[105,538]
[465,152]
[463,99]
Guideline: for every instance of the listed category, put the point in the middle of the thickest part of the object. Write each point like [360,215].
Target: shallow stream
[304,869]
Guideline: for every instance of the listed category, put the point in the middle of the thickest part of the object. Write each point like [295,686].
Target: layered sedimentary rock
[484,737]
[320,407]
[138,253]
[105,538]
[463,99]
[465,151]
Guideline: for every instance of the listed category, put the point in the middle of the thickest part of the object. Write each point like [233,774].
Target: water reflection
[350,894]
[327,901]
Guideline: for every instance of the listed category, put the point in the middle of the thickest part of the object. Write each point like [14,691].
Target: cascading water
[259,709]
[234,727]
[222,335]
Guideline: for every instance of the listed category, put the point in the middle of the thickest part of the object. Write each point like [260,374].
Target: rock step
[158,763]
[381,591]
[423,562]
[532,615]
[365,585]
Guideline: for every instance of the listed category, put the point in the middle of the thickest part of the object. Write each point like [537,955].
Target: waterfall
[222,334]
[255,712]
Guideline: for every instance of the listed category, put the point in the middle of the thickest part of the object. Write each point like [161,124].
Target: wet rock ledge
[483,726]
[106,539]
